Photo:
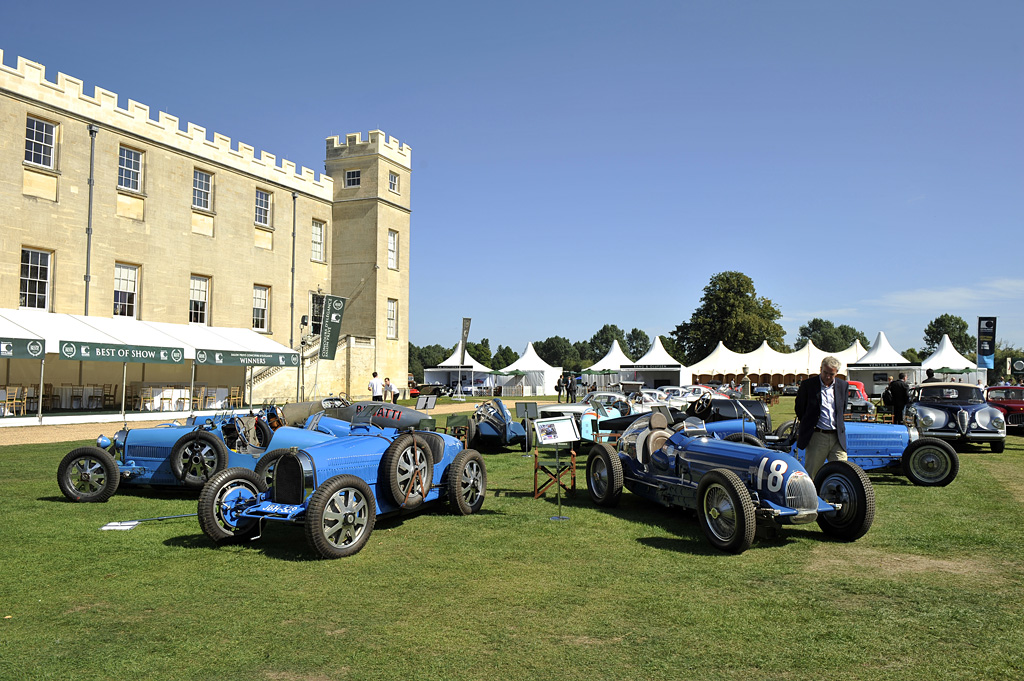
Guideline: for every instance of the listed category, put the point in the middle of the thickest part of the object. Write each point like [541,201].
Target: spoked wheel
[196,456]
[340,516]
[846,484]
[786,428]
[88,474]
[726,511]
[930,462]
[263,433]
[467,482]
[223,498]
[604,475]
[409,468]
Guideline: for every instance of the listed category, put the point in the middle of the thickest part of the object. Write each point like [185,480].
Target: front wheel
[930,462]
[726,511]
[998,446]
[785,429]
[467,482]
[88,474]
[223,498]
[471,433]
[196,457]
[265,466]
[604,475]
[340,516]
[846,484]
[263,433]
[745,438]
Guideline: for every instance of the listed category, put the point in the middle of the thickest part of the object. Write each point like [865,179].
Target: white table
[64,392]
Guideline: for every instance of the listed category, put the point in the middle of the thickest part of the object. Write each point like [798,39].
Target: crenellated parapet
[379,143]
[67,93]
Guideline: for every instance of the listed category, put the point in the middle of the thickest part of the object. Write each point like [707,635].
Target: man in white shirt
[376,388]
[820,403]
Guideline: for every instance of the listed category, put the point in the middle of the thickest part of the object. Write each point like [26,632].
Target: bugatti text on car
[956,413]
[733,487]
[336,489]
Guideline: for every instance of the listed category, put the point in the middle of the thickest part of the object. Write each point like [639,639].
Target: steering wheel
[702,404]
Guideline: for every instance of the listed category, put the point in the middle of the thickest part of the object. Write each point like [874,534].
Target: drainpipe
[88,229]
[291,324]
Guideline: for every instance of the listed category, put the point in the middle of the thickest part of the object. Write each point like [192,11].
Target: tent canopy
[540,377]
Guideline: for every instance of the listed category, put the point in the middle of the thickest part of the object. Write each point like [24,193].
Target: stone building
[111,212]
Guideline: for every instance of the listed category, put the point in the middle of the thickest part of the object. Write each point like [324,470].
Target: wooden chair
[109,395]
[146,397]
[11,401]
[51,399]
[31,402]
[211,396]
[95,399]
[77,393]
[199,397]
[235,398]
[554,470]
[166,398]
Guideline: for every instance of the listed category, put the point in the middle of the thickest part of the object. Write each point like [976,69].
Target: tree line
[730,311]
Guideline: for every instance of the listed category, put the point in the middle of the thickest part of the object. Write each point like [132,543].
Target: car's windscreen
[964,393]
[1006,394]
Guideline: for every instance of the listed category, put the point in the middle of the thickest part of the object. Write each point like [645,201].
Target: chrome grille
[962,419]
[800,492]
[1015,419]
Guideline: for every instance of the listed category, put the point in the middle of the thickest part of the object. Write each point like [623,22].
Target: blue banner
[986,342]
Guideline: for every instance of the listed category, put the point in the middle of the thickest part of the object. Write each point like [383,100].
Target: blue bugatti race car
[733,487]
[337,488]
[492,427]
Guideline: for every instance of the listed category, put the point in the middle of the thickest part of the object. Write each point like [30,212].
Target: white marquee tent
[471,372]
[612,361]
[880,362]
[538,377]
[656,368]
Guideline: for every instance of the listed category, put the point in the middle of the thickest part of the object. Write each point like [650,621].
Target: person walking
[820,403]
[376,388]
[900,393]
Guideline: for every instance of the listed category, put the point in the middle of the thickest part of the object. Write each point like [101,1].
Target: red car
[1009,400]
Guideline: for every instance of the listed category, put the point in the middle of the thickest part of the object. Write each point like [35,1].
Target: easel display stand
[552,432]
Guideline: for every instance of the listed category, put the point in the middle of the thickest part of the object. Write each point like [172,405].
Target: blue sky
[583,163]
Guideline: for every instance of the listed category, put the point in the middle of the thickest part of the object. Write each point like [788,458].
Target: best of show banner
[465,338]
[330,326]
[115,352]
[21,348]
[986,342]
[230,358]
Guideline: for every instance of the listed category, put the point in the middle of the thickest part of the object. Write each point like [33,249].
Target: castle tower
[370,249]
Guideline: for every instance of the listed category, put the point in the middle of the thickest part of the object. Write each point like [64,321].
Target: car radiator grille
[800,493]
[962,420]
[288,481]
[1015,419]
[147,453]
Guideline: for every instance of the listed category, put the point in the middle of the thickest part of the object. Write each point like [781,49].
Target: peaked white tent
[470,373]
[947,357]
[722,361]
[656,368]
[612,361]
[880,363]
[538,377]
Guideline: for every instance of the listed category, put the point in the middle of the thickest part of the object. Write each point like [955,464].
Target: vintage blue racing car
[733,487]
[492,427]
[188,455]
[337,488]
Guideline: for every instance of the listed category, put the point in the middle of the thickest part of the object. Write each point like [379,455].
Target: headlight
[103,442]
[926,420]
[998,423]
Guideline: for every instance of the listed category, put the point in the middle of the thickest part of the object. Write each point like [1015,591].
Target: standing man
[930,373]
[820,403]
[558,388]
[376,388]
[900,392]
[570,390]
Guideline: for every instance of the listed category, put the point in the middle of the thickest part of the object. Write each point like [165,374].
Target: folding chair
[458,427]
[427,424]
[555,469]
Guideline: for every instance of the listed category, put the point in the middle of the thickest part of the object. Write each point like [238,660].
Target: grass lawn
[933,591]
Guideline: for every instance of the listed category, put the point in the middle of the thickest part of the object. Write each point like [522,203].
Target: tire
[402,460]
[88,474]
[725,511]
[846,483]
[265,466]
[745,438]
[263,433]
[930,462]
[525,444]
[196,457]
[467,482]
[998,446]
[471,433]
[786,428]
[216,518]
[604,475]
[340,516]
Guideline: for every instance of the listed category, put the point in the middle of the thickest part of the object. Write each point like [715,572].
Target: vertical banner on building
[986,342]
[465,339]
[330,327]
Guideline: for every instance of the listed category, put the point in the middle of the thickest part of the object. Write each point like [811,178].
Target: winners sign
[330,326]
[228,358]
[114,352]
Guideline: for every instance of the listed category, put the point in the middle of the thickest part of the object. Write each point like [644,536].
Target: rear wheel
[841,482]
[340,516]
[471,433]
[930,462]
[263,433]
[467,482]
[745,438]
[196,457]
[223,498]
[88,474]
[604,475]
[726,511]
[786,428]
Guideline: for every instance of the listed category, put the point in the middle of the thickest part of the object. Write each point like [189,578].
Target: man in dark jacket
[820,403]
[900,392]
[930,373]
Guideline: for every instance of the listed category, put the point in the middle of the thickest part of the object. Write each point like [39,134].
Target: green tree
[731,312]
[671,347]
[601,342]
[503,357]
[912,356]
[425,358]
[637,343]
[998,371]
[481,351]
[829,337]
[585,352]
[558,351]
[956,328]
